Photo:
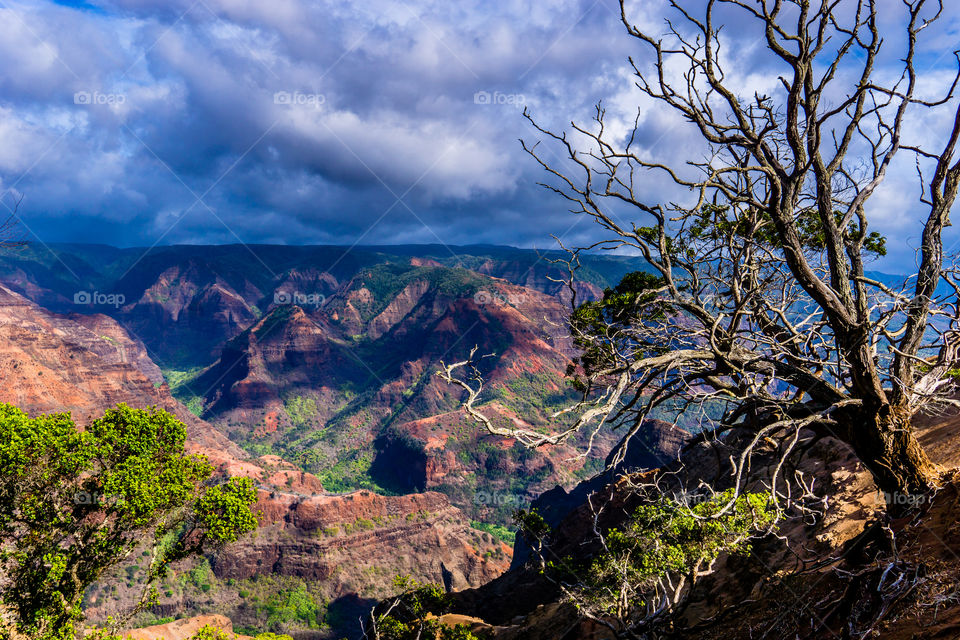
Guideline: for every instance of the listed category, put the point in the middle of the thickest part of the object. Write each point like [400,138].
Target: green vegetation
[348,471]
[301,410]
[535,397]
[351,472]
[212,633]
[600,270]
[73,504]
[180,382]
[364,524]
[292,606]
[384,281]
[667,537]
[662,538]
[201,576]
[601,327]
[404,617]
[498,531]
[277,315]
[267,603]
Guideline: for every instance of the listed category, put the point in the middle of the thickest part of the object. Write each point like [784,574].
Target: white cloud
[397,81]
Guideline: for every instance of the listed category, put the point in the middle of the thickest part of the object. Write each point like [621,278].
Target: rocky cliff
[83,364]
[357,542]
[346,547]
[848,573]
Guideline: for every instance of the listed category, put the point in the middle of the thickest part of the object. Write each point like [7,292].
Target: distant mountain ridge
[207,294]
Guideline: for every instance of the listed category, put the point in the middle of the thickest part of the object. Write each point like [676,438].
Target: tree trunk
[887,446]
[880,433]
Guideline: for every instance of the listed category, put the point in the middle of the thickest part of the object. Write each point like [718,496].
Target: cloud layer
[136,122]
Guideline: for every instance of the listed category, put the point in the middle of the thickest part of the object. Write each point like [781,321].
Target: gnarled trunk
[888,447]
[881,433]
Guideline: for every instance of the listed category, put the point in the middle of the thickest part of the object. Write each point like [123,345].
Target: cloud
[138,121]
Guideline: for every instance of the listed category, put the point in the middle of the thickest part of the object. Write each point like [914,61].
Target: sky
[144,122]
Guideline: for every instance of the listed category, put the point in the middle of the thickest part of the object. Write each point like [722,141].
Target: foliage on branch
[75,503]
[668,537]
[714,223]
[633,301]
[645,568]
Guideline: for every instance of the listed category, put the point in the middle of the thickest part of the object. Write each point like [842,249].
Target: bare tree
[756,308]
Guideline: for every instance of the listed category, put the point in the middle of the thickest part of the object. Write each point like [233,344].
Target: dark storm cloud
[135,122]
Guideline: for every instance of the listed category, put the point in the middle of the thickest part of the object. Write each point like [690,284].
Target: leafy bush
[293,606]
[75,503]
[651,562]
[212,633]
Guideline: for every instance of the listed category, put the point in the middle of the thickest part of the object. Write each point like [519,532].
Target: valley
[365,464]
[318,384]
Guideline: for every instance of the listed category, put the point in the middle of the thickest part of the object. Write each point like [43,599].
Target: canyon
[311,371]
[345,545]
[313,374]
[342,384]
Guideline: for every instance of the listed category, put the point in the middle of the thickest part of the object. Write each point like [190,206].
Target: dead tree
[756,306]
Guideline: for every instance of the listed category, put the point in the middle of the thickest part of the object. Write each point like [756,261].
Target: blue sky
[134,122]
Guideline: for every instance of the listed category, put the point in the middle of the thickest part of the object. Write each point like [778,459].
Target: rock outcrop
[184,629]
[317,537]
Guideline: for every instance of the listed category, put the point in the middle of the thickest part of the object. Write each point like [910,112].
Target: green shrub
[408,611]
[73,504]
[665,538]
[293,606]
